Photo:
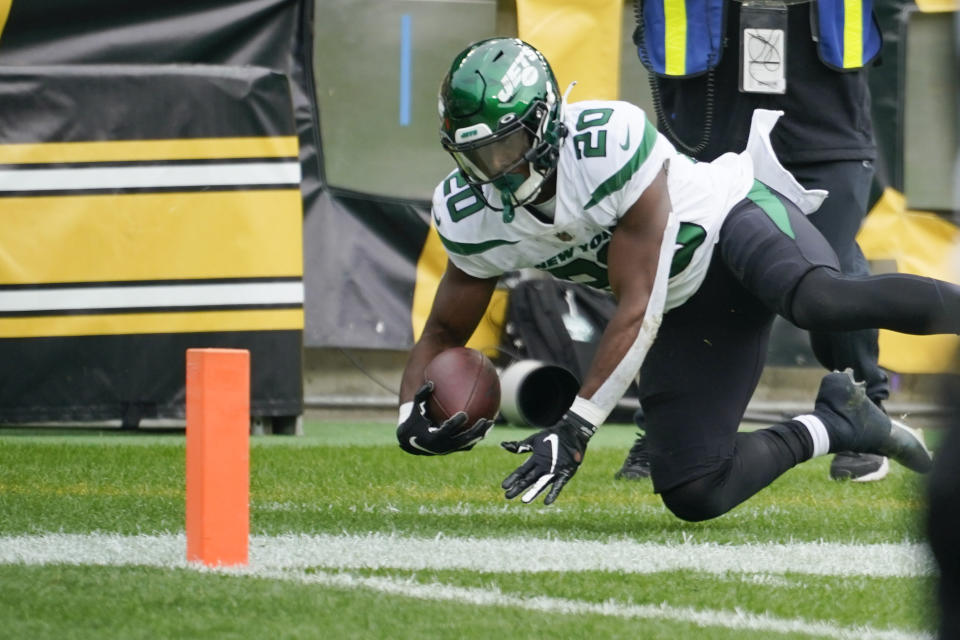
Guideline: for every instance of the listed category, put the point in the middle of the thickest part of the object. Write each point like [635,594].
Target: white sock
[818,433]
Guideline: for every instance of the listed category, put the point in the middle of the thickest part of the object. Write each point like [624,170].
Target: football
[464,380]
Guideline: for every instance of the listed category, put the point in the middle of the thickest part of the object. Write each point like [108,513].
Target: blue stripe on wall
[405,63]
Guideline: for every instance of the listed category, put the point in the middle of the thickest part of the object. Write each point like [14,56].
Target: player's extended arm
[638,266]
[458,307]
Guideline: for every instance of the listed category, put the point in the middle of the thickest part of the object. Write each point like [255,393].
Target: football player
[700,256]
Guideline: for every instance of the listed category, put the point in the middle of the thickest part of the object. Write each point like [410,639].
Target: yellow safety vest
[682,38]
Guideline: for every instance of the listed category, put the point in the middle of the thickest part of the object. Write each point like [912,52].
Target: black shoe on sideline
[859,467]
[637,464]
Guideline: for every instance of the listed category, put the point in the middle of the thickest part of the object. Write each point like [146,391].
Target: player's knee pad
[697,500]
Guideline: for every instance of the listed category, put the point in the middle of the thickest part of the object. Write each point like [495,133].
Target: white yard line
[286,558]
[497,555]
[735,620]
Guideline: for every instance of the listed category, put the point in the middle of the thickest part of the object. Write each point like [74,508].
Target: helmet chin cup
[515,191]
[509,185]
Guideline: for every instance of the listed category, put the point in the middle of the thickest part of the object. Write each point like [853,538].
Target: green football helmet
[501,109]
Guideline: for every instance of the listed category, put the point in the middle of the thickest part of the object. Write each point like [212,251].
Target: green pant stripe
[761,196]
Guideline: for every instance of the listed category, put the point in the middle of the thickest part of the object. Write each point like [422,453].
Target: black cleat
[857,424]
[908,448]
[637,464]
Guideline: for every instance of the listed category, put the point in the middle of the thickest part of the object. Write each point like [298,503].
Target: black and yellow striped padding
[147,209]
[169,235]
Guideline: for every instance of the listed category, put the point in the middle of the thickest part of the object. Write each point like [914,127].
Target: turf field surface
[351,538]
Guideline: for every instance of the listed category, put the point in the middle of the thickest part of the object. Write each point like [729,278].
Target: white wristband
[589,411]
[405,410]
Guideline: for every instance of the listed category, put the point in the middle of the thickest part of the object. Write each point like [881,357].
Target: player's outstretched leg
[854,423]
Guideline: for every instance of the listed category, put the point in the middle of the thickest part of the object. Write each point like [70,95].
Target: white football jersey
[610,155]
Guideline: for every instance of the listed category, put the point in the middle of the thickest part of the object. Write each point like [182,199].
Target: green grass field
[351,538]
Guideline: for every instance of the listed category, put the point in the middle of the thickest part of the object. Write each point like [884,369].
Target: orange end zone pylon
[218,456]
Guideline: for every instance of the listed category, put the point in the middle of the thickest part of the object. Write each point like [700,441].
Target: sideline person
[796,58]
[700,257]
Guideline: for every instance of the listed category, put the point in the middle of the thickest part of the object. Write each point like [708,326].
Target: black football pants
[704,365]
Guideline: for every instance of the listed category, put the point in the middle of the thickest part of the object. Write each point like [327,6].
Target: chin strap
[507,196]
[508,210]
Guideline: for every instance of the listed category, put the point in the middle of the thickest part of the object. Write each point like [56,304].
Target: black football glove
[421,436]
[557,454]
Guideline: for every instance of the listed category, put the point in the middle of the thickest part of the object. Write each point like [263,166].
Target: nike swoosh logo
[553,440]
[436,219]
[413,443]
[626,143]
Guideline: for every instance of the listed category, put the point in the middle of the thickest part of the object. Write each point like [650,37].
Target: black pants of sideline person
[839,220]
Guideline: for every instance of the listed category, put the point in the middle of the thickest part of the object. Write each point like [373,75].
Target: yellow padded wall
[581,40]
[923,244]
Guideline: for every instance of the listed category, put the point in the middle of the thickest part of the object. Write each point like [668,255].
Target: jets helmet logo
[520,73]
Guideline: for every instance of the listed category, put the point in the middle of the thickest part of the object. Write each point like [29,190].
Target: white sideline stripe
[502,555]
[165,295]
[179,175]
[736,620]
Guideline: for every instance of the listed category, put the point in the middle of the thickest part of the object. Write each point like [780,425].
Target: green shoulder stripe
[761,196]
[620,178]
[472,248]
